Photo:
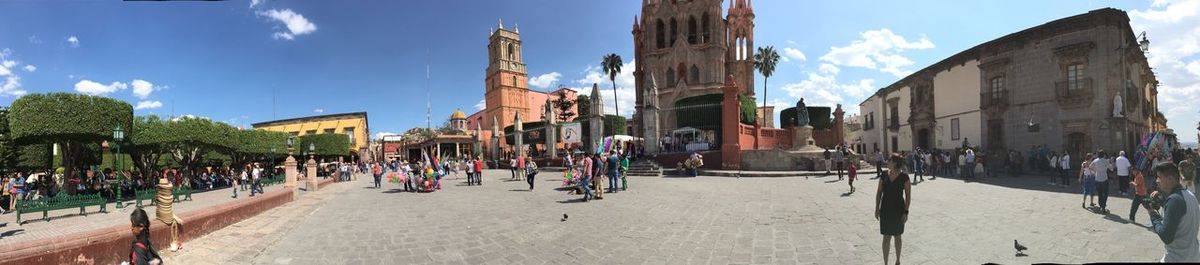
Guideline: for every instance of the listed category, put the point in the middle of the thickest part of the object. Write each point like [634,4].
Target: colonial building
[353,125]
[1077,84]
[686,49]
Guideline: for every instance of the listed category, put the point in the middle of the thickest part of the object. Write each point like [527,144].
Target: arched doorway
[923,139]
[1077,144]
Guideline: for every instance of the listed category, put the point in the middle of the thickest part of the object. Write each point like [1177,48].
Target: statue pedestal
[802,139]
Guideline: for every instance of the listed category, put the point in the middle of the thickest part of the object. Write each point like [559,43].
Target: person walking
[1140,198]
[585,173]
[531,171]
[878,164]
[377,172]
[828,163]
[470,171]
[1087,177]
[892,199]
[1064,167]
[614,164]
[520,166]
[917,165]
[598,175]
[1100,166]
[1177,226]
[255,173]
[1123,166]
[624,172]
[237,181]
[851,173]
[962,166]
[512,163]
[479,172]
[930,167]
[970,163]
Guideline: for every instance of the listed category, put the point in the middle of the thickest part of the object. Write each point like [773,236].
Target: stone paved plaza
[704,220]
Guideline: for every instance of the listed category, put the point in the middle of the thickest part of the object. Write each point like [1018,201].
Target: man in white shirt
[1101,166]
[254,184]
[1123,166]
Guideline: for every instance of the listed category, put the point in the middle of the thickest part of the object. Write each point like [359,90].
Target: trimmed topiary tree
[327,145]
[71,120]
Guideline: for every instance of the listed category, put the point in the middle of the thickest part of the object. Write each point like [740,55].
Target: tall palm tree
[612,66]
[765,61]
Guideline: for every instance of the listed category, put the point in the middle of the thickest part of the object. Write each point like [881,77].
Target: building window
[895,116]
[954,133]
[997,86]
[895,144]
[329,131]
[310,132]
[660,31]
[705,28]
[294,133]
[674,31]
[514,81]
[670,77]
[692,30]
[694,76]
[349,131]
[1075,77]
[511,55]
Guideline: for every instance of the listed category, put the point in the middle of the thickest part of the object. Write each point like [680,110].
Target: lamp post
[118,136]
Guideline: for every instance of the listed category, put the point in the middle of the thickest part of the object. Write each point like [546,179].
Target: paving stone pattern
[667,220]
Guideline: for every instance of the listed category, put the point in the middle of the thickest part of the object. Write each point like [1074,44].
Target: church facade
[685,48]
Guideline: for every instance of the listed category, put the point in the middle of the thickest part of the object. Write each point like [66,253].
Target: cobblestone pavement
[705,220]
[68,221]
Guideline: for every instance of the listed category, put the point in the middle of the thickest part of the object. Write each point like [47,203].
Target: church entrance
[923,139]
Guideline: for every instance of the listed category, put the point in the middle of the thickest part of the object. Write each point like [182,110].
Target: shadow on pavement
[11,233]
[394,191]
[526,190]
[572,201]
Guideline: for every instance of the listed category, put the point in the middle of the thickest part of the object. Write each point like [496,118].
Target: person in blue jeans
[613,165]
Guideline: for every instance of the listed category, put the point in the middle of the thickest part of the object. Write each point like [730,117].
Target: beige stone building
[686,48]
[1078,84]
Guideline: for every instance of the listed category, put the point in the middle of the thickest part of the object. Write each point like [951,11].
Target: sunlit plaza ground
[666,220]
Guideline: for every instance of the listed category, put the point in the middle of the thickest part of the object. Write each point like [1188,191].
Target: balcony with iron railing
[893,124]
[1073,94]
[994,99]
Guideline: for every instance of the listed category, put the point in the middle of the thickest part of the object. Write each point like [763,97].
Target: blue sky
[229,61]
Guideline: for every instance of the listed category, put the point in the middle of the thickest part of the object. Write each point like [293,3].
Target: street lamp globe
[118,134]
[291,140]
[312,147]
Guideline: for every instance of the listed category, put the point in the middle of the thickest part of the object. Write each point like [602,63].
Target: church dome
[458,115]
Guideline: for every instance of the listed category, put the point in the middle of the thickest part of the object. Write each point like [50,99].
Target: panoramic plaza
[628,132]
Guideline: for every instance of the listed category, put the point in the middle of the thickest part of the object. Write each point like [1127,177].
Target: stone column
[839,124]
[649,117]
[518,135]
[551,131]
[731,153]
[596,121]
[311,167]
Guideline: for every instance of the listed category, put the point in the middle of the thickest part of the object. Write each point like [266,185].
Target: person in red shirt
[479,171]
[1140,196]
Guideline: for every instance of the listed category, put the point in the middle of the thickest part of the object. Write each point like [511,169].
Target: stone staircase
[644,168]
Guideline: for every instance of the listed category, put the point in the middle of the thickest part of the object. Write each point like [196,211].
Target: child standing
[852,169]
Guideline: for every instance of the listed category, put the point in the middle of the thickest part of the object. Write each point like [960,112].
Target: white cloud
[148,104]
[1175,57]
[825,90]
[30,68]
[11,85]
[34,40]
[189,116]
[255,3]
[74,41]
[380,135]
[481,105]
[319,110]
[793,53]
[877,49]
[829,69]
[626,96]
[295,22]
[92,88]
[142,88]
[545,80]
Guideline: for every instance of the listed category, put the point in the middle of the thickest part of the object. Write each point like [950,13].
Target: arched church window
[670,77]
[660,31]
[674,31]
[692,30]
[694,76]
[705,26]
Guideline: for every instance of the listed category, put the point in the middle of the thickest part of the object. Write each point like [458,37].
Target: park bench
[59,202]
[184,191]
[146,194]
[272,180]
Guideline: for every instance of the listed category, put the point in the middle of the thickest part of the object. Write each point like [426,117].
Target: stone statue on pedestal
[1117,106]
[801,114]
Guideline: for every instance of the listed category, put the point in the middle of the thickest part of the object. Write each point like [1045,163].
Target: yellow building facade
[354,125]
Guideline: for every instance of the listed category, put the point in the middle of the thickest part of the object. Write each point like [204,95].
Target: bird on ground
[564,218]
[1019,247]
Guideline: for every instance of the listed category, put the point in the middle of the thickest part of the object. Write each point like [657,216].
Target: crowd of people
[592,175]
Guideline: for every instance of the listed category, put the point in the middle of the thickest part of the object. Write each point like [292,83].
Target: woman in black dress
[891,204]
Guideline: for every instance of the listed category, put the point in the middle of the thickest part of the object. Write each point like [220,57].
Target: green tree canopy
[326,145]
[74,121]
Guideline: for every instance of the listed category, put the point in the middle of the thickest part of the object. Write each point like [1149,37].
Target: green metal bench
[272,180]
[62,201]
[144,195]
